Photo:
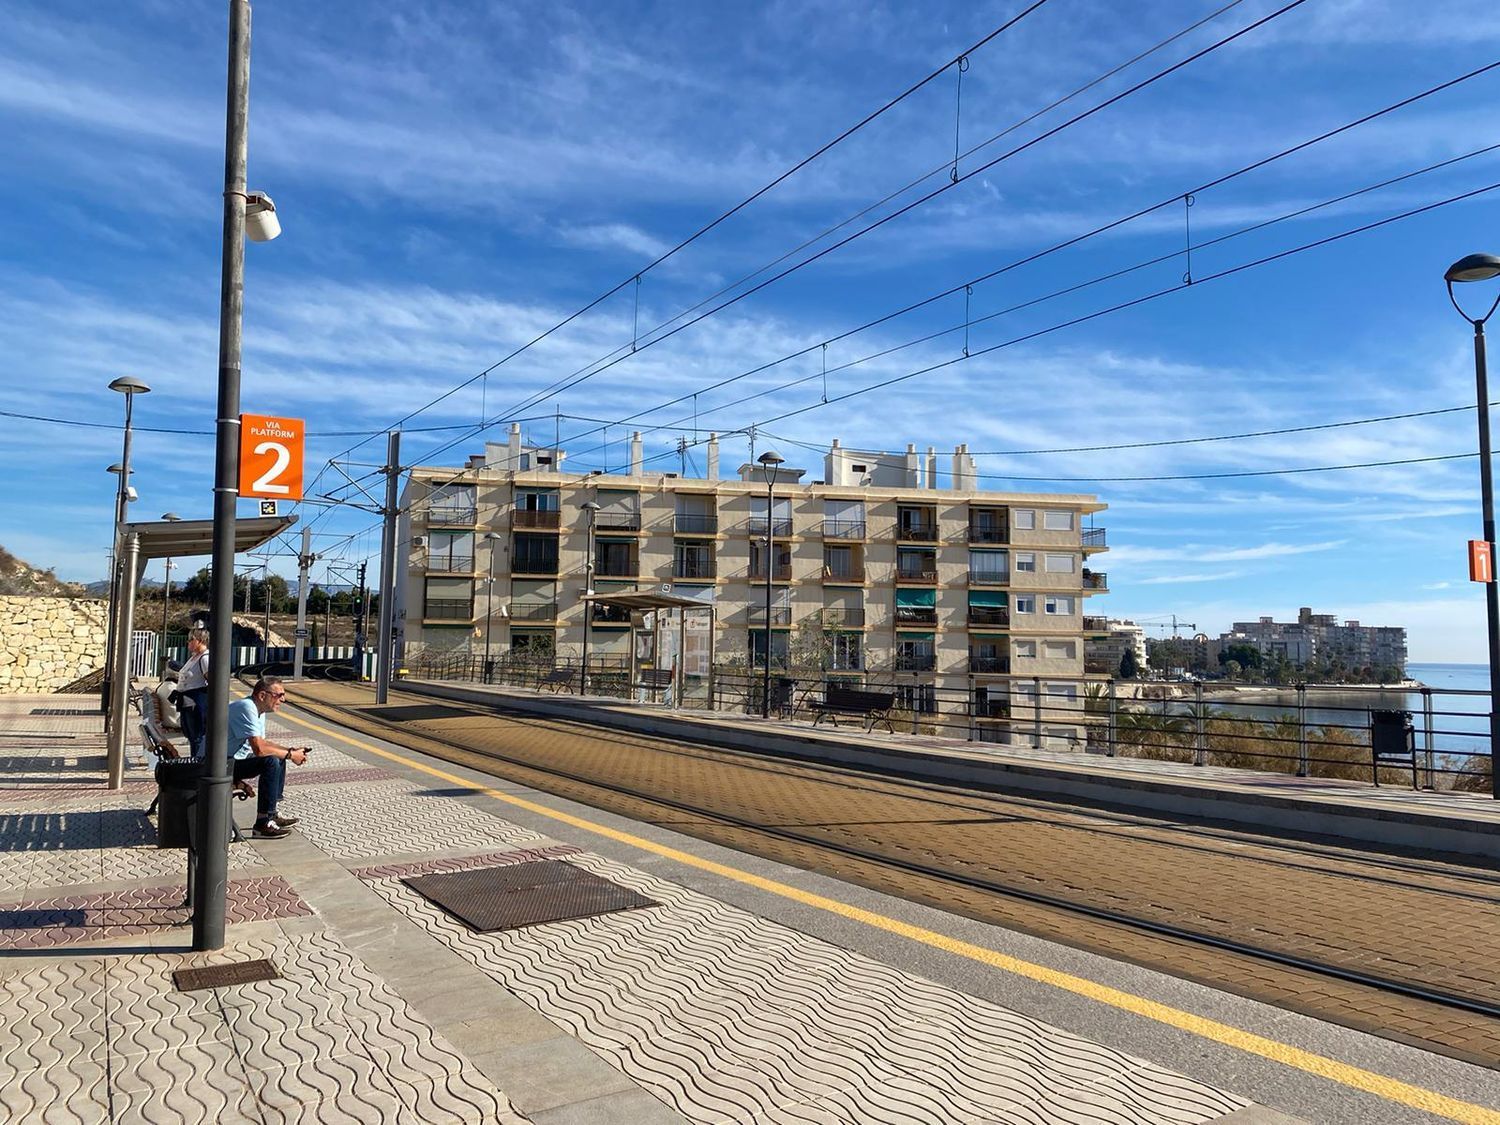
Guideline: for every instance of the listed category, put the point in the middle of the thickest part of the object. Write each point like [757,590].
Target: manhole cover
[222,976]
[524,894]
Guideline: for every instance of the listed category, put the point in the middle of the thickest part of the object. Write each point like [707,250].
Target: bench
[1393,742]
[154,738]
[655,680]
[557,679]
[872,706]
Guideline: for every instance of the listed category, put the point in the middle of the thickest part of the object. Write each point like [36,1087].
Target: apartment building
[881,571]
[1321,638]
[1104,650]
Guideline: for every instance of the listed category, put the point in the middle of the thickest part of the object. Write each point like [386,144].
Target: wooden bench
[557,679]
[871,706]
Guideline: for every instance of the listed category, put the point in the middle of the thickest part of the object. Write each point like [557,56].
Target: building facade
[955,596]
[1103,651]
[1321,639]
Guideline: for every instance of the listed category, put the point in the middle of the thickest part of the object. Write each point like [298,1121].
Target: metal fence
[1305,730]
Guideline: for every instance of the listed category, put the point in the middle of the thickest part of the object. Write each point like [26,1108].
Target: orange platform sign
[1481,561]
[271,456]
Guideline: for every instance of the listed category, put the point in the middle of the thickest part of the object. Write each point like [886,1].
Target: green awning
[988,599]
[916,599]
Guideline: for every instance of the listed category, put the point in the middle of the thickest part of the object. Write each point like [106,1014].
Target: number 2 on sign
[271,456]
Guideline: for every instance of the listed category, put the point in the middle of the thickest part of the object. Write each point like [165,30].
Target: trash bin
[1393,741]
[177,784]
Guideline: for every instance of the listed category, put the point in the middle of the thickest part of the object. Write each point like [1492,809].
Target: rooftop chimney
[637,458]
[713,456]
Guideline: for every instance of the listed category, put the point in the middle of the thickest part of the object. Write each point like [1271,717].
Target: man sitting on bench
[255,755]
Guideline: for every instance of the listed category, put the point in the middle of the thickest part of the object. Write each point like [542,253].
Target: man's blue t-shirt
[245,720]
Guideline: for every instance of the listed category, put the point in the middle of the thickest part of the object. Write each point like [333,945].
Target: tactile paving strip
[93,1040]
[726,1016]
[43,923]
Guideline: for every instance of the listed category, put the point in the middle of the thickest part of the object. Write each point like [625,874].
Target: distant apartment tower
[1103,651]
[947,593]
[1320,638]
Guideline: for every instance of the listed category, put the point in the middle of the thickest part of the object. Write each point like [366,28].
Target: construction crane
[1176,626]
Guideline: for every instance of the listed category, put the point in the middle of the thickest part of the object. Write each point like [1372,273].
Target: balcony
[617,520]
[782,572]
[610,614]
[989,665]
[915,532]
[446,562]
[1093,539]
[979,533]
[616,568]
[1096,624]
[989,577]
[687,524]
[780,615]
[992,616]
[907,615]
[1095,579]
[916,661]
[450,515]
[448,609]
[1093,666]
[843,618]
[544,565]
[781,529]
[921,575]
[843,529]
[524,519]
[532,611]
[846,572]
[693,569]
[991,707]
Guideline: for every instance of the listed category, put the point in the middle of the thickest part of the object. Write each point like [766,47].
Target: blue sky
[455,177]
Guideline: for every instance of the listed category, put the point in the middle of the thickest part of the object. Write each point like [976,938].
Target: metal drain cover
[222,976]
[524,894]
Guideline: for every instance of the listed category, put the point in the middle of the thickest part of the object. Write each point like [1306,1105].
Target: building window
[448,599]
[919,698]
[781,516]
[1057,520]
[844,519]
[1023,650]
[450,550]
[989,566]
[1023,519]
[916,564]
[915,652]
[1061,564]
[780,646]
[618,511]
[692,560]
[614,558]
[916,607]
[534,554]
[532,644]
[1025,603]
[1059,650]
[1062,691]
[1026,562]
[1058,606]
[844,652]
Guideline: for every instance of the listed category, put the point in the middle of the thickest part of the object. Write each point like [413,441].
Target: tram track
[874,865]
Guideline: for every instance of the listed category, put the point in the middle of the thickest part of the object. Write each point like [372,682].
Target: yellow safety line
[1323,1067]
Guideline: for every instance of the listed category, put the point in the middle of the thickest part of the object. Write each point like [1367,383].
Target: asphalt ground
[1405,918]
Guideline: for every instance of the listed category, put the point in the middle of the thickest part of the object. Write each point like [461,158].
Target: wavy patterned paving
[95,1041]
[730,1018]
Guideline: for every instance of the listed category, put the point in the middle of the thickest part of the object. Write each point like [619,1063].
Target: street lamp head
[492,535]
[129,385]
[1473,267]
[117,468]
[592,506]
[171,517]
[261,223]
[770,457]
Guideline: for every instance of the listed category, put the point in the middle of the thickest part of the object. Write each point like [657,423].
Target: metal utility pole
[305,559]
[384,642]
[359,611]
[213,790]
[265,589]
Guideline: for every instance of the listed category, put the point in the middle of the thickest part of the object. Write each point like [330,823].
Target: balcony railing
[610,614]
[843,529]
[1096,624]
[916,661]
[989,665]
[531,611]
[447,561]
[992,708]
[918,532]
[843,618]
[781,573]
[988,534]
[989,615]
[445,514]
[1095,580]
[1094,537]
[781,529]
[780,615]
[627,569]
[687,524]
[845,572]
[693,568]
[988,577]
[926,575]
[534,564]
[448,609]
[1095,667]
[915,615]
[617,520]
[545,521]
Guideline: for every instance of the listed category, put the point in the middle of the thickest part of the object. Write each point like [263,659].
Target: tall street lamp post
[254,217]
[166,596]
[1483,267]
[494,539]
[592,508]
[129,386]
[771,461]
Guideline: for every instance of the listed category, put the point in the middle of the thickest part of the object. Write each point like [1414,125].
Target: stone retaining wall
[47,643]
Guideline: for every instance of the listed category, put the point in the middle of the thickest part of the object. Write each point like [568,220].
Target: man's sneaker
[284,820]
[269,830]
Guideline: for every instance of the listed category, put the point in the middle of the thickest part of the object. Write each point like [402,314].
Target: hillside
[19,578]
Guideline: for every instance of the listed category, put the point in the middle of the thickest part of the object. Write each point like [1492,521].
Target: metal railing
[1095,580]
[1096,624]
[446,562]
[687,524]
[628,569]
[989,577]
[989,615]
[782,572]
[524,611]
[917,532]
[1094,537]
[843,618]
[780,615]
[847,572]
[448,609]
[843,529]
[923,574]
[544,565]
[693,568]
[916,615]
[528,518]
[916,661]
[982,534]
[989,665]
[780,528]
[448,514]
[617,521]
